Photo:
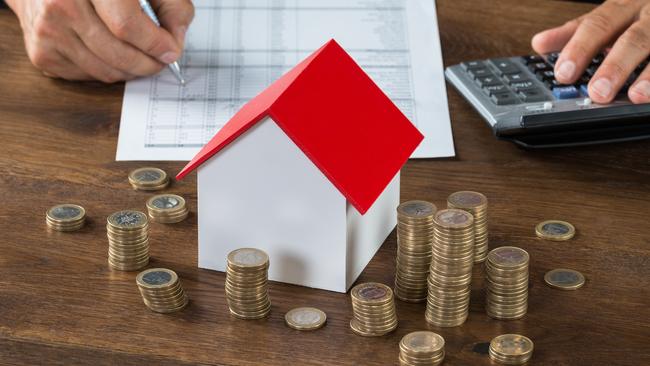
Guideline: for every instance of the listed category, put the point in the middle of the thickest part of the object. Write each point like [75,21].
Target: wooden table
[61,305]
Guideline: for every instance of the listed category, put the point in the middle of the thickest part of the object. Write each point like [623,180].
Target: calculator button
[591,70]
[478,73]
[532,95]
[552,57]
[584,90]
[532,59]
[539,66]
[522,85]
[487,81]
[546,75]
[565,92]
[504,66]
[471,65]
[513,78]
[504,98]
[495,89]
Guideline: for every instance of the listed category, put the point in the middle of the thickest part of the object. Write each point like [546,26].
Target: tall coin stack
[450,274]
[414,239]
[507,283]
[247,283]
[421,348]
[476,204]
[128,240]
[167,208]
[161,290]
[373,310]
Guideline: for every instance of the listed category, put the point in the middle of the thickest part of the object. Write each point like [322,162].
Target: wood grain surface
[61,305]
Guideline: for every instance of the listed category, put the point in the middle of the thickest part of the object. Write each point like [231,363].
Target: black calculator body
[522,102]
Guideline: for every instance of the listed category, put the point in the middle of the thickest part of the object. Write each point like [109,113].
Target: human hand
[107,40]
[623,24]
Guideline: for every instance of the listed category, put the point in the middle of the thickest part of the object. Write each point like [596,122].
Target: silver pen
[175,69]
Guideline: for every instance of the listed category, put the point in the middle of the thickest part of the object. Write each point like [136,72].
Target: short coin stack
[373,308]
[450,275]
[414,239]
[305,318]
[421,348]
[65,217]
[247,283]
[167,208]
[128,240]
[148,179]
[476,204]
[161,290]
[507,283]
[511,349]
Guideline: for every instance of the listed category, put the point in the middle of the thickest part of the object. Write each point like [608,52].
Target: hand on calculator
[623,25]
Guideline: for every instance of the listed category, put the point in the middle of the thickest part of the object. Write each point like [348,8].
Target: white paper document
[235,49]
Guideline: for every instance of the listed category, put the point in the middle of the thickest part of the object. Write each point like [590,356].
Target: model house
[307,171]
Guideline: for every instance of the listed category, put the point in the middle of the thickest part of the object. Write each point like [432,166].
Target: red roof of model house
[338,117]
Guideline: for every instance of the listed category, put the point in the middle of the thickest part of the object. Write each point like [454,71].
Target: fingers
[554,39]
[595,30]
[114,52]
[77,52]
[175,16]
[126,20]
[631,48]
[61,67]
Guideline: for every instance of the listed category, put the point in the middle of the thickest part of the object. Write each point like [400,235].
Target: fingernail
[642,88]
[169,57]
[180,34]
[566,69]
[602,87]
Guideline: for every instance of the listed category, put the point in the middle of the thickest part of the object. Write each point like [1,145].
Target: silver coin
[157,278]
[66,212]
[165,202]
[417,208]
[453,217]
[248,257]
[148,175]
[128,219]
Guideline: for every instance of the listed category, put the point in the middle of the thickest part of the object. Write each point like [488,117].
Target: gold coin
[128,220]
[416,209]
[245,258]
[511,346]
[148,177]
[155,278]
[65,213]
[555,230]
[422,342]
[564,279]
[305,318]
[371,292]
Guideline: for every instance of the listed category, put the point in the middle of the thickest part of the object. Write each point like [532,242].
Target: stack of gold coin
[476,204]
[161,290]
[511,349]
[450,275]
[247,283]
[128,240]
[65,217]
[167,208]
[507,283]
[414,239]
[421,348]
[373,309]
[148,179]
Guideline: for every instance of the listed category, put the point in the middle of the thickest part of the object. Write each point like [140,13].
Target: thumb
[175,16]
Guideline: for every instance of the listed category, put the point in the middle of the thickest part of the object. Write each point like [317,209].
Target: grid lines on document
[250,43]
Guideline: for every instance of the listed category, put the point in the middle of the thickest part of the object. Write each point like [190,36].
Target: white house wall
[366,233]
[261,191]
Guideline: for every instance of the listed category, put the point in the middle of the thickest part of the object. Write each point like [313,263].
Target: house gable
[263,192]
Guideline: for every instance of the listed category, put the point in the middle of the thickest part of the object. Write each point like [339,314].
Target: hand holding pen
[106,40]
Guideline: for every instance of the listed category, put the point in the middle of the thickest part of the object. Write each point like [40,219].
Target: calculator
[522,102]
